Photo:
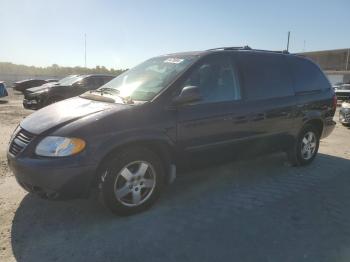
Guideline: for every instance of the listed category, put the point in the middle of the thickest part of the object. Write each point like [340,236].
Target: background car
[25,84]
[39,97]
[344,113]
[49,84]
[343,92]
[3,91]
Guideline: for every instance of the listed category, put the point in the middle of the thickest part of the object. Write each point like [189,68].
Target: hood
[64,112]
[42,87]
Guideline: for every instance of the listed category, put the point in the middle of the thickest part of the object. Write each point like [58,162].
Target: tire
[303,152]
[131,181]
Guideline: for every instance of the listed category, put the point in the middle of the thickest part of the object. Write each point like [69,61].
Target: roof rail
[272,51]
[231,48]
[247,48]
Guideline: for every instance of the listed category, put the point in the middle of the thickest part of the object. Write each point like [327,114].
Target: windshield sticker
[173,60]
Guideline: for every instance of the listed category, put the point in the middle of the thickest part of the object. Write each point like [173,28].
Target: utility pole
[347,60]
[85,48]
[288,41]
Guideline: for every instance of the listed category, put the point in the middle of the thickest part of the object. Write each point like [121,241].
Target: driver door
[208,123]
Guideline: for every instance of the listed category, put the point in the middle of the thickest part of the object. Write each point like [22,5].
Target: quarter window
[307,76]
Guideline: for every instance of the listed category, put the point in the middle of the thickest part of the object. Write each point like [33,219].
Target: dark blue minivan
[126,138]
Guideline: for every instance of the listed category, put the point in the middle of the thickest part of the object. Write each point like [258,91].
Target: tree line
[54,70]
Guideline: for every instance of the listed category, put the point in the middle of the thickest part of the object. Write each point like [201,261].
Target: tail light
[335,101]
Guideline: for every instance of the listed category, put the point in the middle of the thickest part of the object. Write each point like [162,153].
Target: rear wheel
[131,181]
[306,146]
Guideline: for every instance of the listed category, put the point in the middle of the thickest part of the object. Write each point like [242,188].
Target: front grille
[20,141]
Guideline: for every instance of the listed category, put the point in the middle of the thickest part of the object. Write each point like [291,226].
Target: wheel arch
[317,123]
[162,148]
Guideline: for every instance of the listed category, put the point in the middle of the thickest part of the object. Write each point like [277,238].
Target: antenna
[288,41]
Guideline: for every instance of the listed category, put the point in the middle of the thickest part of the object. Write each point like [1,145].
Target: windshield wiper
[108,90]
[113,91]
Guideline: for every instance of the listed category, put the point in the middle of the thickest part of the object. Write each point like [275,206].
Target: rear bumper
[52,181]
[328,127]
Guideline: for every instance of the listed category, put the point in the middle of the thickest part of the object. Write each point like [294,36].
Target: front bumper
[52,178]
[31,103]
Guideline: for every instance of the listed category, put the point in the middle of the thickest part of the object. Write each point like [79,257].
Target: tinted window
[107,79]
[307,76]
[217,80]
[265,76]
[99,81]
[93,82]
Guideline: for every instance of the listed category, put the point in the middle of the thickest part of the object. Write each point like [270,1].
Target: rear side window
[307,76]
[265,76]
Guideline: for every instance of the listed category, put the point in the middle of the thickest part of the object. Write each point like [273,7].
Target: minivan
[125,139]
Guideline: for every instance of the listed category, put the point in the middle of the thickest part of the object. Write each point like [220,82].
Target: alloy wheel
[135,183]
[308,145]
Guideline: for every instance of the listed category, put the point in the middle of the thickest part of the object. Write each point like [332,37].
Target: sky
[121,34]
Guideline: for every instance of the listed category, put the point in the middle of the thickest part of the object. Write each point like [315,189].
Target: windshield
[146,80]
[69,80]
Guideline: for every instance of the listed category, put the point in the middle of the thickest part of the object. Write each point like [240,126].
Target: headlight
[56,146]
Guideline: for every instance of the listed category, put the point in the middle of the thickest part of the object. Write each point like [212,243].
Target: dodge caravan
[126,138]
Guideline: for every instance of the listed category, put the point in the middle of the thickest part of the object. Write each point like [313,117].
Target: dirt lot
[250,210]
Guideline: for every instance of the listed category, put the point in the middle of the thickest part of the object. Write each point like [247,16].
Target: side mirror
[188,94]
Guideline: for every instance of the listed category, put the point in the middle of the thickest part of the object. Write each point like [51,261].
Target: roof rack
[231,48]
[247,48]
[272,51]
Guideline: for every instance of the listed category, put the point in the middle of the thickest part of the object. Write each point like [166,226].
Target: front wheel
[131,181]
[305,148]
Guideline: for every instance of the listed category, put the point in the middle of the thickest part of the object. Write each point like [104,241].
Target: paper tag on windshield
[173,60]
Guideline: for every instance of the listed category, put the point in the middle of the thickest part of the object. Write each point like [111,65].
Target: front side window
[146,80]
[216,79]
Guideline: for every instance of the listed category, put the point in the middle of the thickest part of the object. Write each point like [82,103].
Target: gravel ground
[249,210]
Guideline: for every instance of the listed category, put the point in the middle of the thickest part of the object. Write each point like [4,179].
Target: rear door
[269,95]
[208,123]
